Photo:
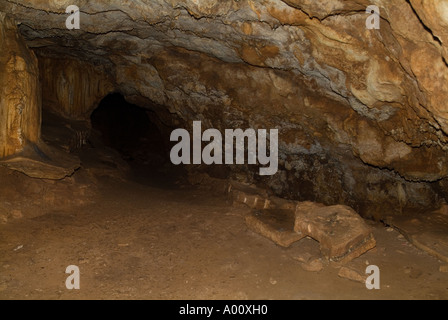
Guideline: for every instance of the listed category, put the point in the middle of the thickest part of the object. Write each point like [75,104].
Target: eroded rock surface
[21,147]
[342,234]
[19,91]
[362,113]
[427,232]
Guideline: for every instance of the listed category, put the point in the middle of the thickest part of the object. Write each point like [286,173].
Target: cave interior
[88,115]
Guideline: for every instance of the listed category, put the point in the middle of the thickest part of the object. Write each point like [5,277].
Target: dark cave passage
[128,129]
[133,132]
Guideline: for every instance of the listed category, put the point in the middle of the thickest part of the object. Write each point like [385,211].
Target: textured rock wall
[313,164]
[72,88]
[362,113]
[20,116]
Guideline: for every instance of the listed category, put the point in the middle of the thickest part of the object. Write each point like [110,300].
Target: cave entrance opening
[133,132]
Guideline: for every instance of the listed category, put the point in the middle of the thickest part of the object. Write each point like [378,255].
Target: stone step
[342,234]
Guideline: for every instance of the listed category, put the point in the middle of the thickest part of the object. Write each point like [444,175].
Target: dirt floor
[149,238]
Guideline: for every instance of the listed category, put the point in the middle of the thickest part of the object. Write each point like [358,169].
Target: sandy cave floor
[135,240]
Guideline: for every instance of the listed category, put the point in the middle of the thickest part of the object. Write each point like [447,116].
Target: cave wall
[20,95]
[315,163]
[72,88]
[362,114]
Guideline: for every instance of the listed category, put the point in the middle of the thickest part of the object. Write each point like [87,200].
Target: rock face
[72,88]
[21,148]
[362,113]
[19,91]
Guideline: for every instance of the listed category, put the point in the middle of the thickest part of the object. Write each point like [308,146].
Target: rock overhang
[370,99]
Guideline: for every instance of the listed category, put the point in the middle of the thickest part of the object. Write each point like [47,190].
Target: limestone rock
[43,162]
[310,263]
[362,113]
[352,275]
[276,225]
[68,135]
[81,82]
[250,196]
[20,116]
[342,233]
[21,147]
[270,217]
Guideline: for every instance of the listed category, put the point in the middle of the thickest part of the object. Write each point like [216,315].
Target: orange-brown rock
[20,116]
[342,233]
[362,113]
[21,148]
[71,87]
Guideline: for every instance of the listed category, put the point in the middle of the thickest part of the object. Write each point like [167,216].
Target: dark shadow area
[128,129]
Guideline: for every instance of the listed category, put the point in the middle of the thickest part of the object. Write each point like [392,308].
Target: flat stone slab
[342,233]
[252,197]
[43,162]
[428,232]
[256,198]
[274,224]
